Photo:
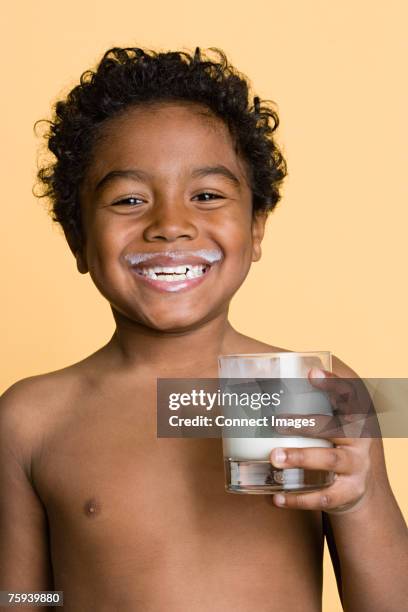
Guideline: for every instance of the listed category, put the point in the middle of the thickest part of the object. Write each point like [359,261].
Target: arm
[334,555]
[367,530]
[372,538]
[372,544]
[24,557]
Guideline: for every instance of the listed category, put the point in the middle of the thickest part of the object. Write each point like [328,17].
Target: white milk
[259,449]
[271,365]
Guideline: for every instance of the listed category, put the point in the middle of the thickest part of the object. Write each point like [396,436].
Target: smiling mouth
[172,274]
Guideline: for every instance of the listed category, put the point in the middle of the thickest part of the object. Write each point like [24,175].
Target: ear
[81,262]
[77,248]
[258,229]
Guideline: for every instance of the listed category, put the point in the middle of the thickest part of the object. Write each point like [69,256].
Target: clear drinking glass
[246,459]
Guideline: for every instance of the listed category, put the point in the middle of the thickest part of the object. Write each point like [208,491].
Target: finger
[337,460]
[340,496]
[352,392]
[328,381]
[349,398]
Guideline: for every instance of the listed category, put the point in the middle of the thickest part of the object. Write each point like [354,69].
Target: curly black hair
[127,77]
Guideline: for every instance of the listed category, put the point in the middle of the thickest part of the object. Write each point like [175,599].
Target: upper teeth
[170,273]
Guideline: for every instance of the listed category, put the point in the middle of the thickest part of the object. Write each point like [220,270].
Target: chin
[168,319]
[174,324]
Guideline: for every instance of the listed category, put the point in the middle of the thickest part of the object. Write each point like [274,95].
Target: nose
[170,220]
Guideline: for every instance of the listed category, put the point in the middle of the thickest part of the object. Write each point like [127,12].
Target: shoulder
[31,396]
[30,407]
[19,422]
[34,392]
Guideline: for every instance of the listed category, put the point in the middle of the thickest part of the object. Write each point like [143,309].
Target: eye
[211,196]
[128,201]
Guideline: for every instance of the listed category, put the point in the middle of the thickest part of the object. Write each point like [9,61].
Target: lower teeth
[176,277]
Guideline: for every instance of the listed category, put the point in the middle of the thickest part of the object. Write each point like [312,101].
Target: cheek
[107,236]
[104,245]
[237,239]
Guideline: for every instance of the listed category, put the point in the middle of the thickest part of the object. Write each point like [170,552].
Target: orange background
[333,273]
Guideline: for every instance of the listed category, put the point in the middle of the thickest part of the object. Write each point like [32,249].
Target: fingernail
[317,373]
[279,499]
[279,455]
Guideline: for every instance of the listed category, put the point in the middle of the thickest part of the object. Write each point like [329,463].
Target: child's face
[165,211]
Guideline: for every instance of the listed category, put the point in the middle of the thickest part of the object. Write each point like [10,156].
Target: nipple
[92,507]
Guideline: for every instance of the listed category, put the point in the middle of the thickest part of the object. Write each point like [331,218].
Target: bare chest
[123,503]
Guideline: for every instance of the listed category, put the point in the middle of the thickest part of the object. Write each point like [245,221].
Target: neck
[167,353]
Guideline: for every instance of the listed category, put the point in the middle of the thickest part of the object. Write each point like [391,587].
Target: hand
[349,459]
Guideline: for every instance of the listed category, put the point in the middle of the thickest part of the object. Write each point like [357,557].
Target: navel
[92,507]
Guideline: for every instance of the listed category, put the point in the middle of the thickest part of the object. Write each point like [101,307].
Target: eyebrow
[141,175]
[220,170]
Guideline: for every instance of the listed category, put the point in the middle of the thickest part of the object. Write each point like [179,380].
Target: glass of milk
[246,459]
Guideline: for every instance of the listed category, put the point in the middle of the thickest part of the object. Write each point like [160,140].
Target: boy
[163,179]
